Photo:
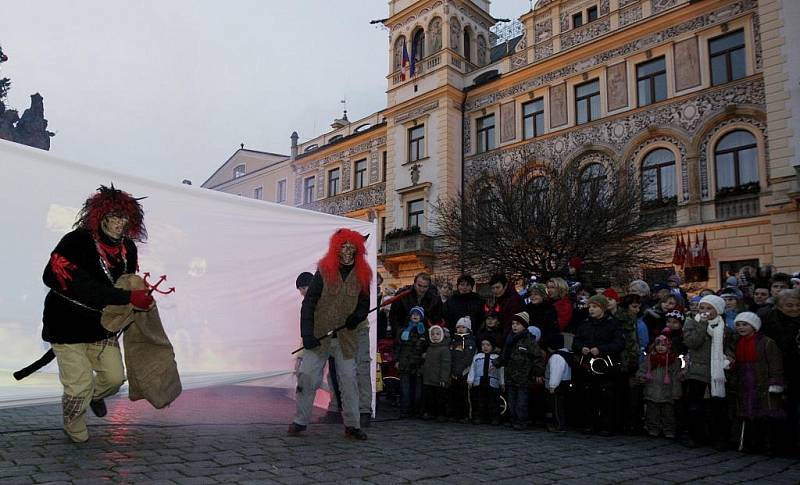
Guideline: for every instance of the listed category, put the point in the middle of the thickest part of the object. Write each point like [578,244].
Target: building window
[383,166]
[587,102]
[333,182]
[736,160]
[281,192]
[658,176]
[258,193]
[416,211]
[577,20]
[727,57]
[533,118]
[308,190]
[382,230]
[238,171]
[593,179]
[467,46]
[416,143]
[360,172]
[651,81]
[485,133]
[418,45]
[591,14]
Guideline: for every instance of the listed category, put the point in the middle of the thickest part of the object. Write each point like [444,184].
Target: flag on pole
[405,63]
[704,252]
[676,255]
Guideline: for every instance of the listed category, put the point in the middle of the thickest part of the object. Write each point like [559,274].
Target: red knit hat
[612,294]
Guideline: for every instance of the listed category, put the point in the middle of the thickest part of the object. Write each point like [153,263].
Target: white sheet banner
[235,313]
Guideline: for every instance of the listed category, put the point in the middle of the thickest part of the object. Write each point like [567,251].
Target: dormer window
[310,147]
[238,171]
[336,138]
[364,127]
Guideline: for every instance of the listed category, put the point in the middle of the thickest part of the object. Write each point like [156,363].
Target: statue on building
[397,55]
[435,32]
[481,50]
[29,130]
[455,34]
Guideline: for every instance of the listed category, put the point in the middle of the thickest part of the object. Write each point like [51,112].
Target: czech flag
[404,66]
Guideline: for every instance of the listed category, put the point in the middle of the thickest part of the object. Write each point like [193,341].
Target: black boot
[98,407]
[355,434]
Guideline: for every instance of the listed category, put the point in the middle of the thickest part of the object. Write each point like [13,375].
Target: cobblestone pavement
[237,435]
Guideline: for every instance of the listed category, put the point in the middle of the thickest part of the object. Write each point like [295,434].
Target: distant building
[680,93]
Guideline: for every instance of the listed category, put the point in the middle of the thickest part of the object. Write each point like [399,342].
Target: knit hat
[536,332]
[750,318]
[675,314]
[417,309]
[522,317]
[695,299]
[664,340]
[538,288]
[435,327]
[731,292]
[599,300]
[732,281]
[304,279]
[465,321]
[640,287]
[556,341]
[717,302]
[612,294]
[673,278]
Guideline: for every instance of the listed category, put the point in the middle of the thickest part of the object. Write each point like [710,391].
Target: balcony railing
[433,61]
[734,207]
[352,200]
[414,243]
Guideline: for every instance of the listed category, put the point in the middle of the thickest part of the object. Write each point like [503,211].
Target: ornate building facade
[685,95]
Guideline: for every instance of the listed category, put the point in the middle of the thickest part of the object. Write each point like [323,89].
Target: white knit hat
[749,318]
[717,302]
[465,321]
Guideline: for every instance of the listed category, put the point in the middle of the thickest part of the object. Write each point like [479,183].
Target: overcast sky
[167,89]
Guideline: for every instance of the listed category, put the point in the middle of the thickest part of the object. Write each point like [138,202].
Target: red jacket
[564,311]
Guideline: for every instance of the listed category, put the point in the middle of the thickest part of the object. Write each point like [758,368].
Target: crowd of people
[719,368]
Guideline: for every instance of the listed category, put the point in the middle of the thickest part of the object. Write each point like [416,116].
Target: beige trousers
[87,372]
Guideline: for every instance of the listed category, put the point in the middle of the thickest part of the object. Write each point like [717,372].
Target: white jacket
[476,371]
[556,371]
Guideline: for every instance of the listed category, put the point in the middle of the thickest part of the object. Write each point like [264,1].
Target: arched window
[418,47]
[593,179]
[364,127]
[736,161]
[536,189]
[397,54]
[467,46]
[658,176]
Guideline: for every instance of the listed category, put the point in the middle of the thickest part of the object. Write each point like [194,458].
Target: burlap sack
[149,357]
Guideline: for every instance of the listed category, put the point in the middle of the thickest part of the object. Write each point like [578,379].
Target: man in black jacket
[464,303]
[81,274]
[598,337]
[425,295]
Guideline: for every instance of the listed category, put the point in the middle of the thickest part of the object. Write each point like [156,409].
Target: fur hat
[304,279]
[465,321]
[600,301]
[535,332]
[489,339]
[717,302]
[750,318]
[522,317]
[417,309]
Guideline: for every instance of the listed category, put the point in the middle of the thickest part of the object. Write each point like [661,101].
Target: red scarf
[746,350]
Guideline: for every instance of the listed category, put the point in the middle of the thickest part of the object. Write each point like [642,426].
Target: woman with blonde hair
[558,291]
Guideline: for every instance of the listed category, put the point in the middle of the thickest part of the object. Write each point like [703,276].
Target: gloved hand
[352,322]
[310,342]
[141,300]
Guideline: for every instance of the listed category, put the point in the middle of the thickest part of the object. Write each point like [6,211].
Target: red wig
[329,264]
[112,201]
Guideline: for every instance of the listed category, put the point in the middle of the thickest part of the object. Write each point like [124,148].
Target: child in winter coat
[436,374]
[661,373]
[675,325]
[462,351]
[758,379]
[557,380]
[492,328]
[524,362]
[485,381]
[410,347]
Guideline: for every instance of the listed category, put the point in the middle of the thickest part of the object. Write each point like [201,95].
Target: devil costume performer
[338,296]
[81,274]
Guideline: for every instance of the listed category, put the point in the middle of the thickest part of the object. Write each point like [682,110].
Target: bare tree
[526,219]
